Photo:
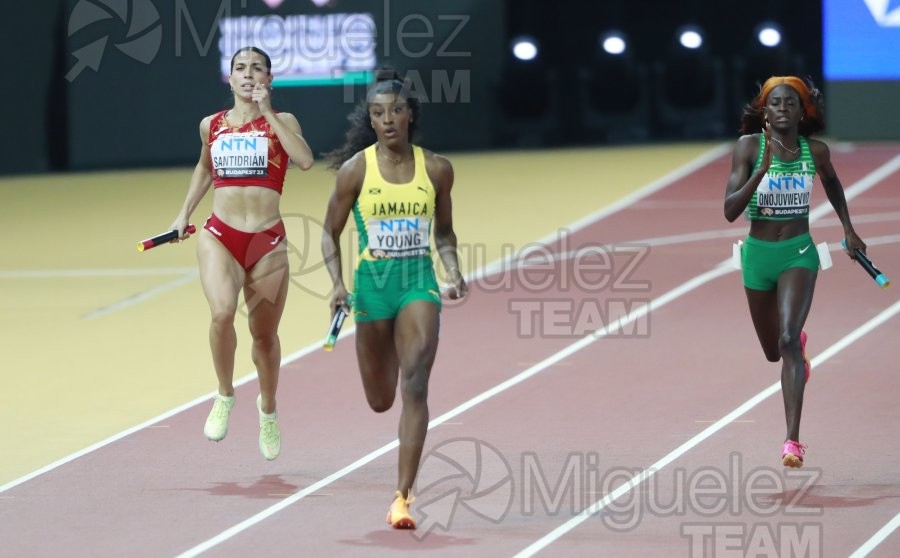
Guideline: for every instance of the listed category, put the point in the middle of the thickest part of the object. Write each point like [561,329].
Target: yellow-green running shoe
[269,433]
[216,426]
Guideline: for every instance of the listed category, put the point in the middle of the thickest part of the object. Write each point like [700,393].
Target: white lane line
[142,296]
[502,265]
[649,472]
[541,260]
[864,184]
[815,214]
[92,273]
[150,423]
[877,538]
[721,269]
[616,326]
[724,267]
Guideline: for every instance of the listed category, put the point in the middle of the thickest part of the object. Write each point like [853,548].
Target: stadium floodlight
[768,34]
[613,42]
[525,48]
[690,36]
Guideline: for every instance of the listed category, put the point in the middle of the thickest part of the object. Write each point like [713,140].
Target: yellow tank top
[394,220]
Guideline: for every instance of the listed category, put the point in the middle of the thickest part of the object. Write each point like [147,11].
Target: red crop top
[248,155]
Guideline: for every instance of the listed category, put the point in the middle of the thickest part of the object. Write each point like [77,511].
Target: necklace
[786,148]
[387,157]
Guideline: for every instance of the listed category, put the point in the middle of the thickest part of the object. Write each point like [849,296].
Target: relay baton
[162,238]
[336,323]
[867,264]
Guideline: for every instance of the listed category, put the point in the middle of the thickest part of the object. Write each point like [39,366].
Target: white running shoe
[216,426]
[269,433]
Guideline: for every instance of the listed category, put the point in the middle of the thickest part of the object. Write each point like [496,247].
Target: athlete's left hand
[455,288]
[260,96]
[853,242]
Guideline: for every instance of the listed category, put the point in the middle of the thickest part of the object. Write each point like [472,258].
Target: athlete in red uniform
[244,155]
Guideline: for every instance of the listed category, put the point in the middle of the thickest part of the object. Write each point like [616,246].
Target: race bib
[785,196]
[402,237]
[240,155]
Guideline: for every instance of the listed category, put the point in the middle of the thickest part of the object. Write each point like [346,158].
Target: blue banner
[861,39]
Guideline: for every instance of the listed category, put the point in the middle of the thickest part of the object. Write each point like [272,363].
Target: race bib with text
[240,155]
[401,237]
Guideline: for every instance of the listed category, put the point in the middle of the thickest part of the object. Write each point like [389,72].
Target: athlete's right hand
[767,148]
[180,225]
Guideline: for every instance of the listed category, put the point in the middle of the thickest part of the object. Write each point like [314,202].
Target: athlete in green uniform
[771,178]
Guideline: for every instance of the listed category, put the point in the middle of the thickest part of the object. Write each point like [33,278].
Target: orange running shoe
[792,454]
[807,366]
[398,515]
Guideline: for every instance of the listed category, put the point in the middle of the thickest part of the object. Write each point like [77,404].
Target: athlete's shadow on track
[837,496]
[390,538]
[271,487]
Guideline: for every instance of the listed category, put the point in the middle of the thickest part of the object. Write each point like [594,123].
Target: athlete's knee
[265,340]
[222,318]
[380,403]
[415,388]
[789,344]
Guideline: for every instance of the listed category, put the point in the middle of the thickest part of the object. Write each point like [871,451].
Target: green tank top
[784,192]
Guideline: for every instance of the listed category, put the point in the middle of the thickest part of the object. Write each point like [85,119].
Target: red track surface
[619,403]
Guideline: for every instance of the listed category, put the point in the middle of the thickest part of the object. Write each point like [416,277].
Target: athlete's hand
[260,96]
[767,148]
[853,242]
[455,287]
[339,299]
[180,225]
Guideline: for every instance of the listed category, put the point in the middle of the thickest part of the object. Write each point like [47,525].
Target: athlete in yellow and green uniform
[399,195]
[394,224]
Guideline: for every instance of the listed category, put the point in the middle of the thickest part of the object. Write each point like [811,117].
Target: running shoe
[269,433]
[807,366]
[216,426]
[398,515]
[792,454]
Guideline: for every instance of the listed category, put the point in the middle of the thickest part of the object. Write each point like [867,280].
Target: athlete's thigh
[795,293]
[416,334]
[377,356]
[265,291]
[220,274]
[764,314]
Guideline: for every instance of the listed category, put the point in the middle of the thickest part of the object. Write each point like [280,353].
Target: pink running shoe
[792,454]
[807,366]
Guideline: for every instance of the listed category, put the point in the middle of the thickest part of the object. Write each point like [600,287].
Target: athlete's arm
[201,180]
[347,186]
[291,137]
[440,171]
[835,192]
[741,183]
[285,127]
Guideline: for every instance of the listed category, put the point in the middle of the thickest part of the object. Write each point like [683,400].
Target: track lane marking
[877,538]
[742,409]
